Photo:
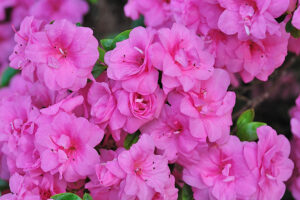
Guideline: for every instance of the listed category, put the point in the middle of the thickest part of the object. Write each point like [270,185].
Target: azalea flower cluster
[164,91]
[12,12]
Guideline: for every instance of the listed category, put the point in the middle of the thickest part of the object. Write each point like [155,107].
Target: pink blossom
[208,107]
[65,55]
[171,133]
[221,172]
[182,58]
[129,63]
[294,45]
[251,17]
[102,102]
[269,163]
[56,9]
[156,12]
[23,37]
[253,58]
[37,187]
[134,109]
[294,182]
[145,173]
[6,43]
[18,127]
[66,145]
[296,18]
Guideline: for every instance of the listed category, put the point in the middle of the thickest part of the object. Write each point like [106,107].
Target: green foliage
[78,24]
[93,1]
[246,127]
[66,196]
[71,196]
[7,76]
[292,30]
[3,185]
[185,193]
[131,139]
[138,22]
[101,54]
[110,44]
[98,69]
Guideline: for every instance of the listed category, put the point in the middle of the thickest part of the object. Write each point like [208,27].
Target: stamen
[139,50]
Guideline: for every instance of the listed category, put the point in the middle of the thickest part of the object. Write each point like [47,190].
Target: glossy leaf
[185,193]
[131,139]
[7,76]
[66,196]
[245,117]
[97,70]
[247,132]
[87,196]
[110,44]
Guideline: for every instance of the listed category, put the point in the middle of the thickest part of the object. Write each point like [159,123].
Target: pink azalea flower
[253,58]
[251,17]
[221,172]
[23,37]
[146,173]
[129,63]
[20,11]
[29,187]
[102,102]
[296,18]
[156,12]
[295,121]
[18,127]
[65,55]
[294,45]
[6,44]
[56,9]
[134,109]
[294,182]
[171,133]
[182,58]
[66,145]
[208,107]
[269,163]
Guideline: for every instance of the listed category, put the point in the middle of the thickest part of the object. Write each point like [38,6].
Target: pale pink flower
[66,145]
[269,163]
[65,55]
[34,187]
[221,172]
[130,63]
[208,107]
[181,57]
[72,10]
[251,18]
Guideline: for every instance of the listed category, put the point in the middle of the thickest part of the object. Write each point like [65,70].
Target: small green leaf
[7,76]
[131,139]
[87,196]
[101,54]
[98,69]
[107,44]
[3,185]
[245,117]
[185,193]
[110,44]
[78,24]
[66,196]
[292,30]
[138,22]
[93,1]
[247,132]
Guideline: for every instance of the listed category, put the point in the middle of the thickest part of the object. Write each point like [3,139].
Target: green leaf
[3,185]
[245,117]
[66,196]
[101,54]
[87,196]
[292,30]
[131,139]
[78,24]
[110,44]
[93,1]
[185,193]
[247,132]
[107,44]
[98,69]
[138,22]
[7,76]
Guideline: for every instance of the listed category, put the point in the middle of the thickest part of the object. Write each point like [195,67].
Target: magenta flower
[252,18]
[269,163]
[181,57]
[66,145]
[65,55]
[130,64]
